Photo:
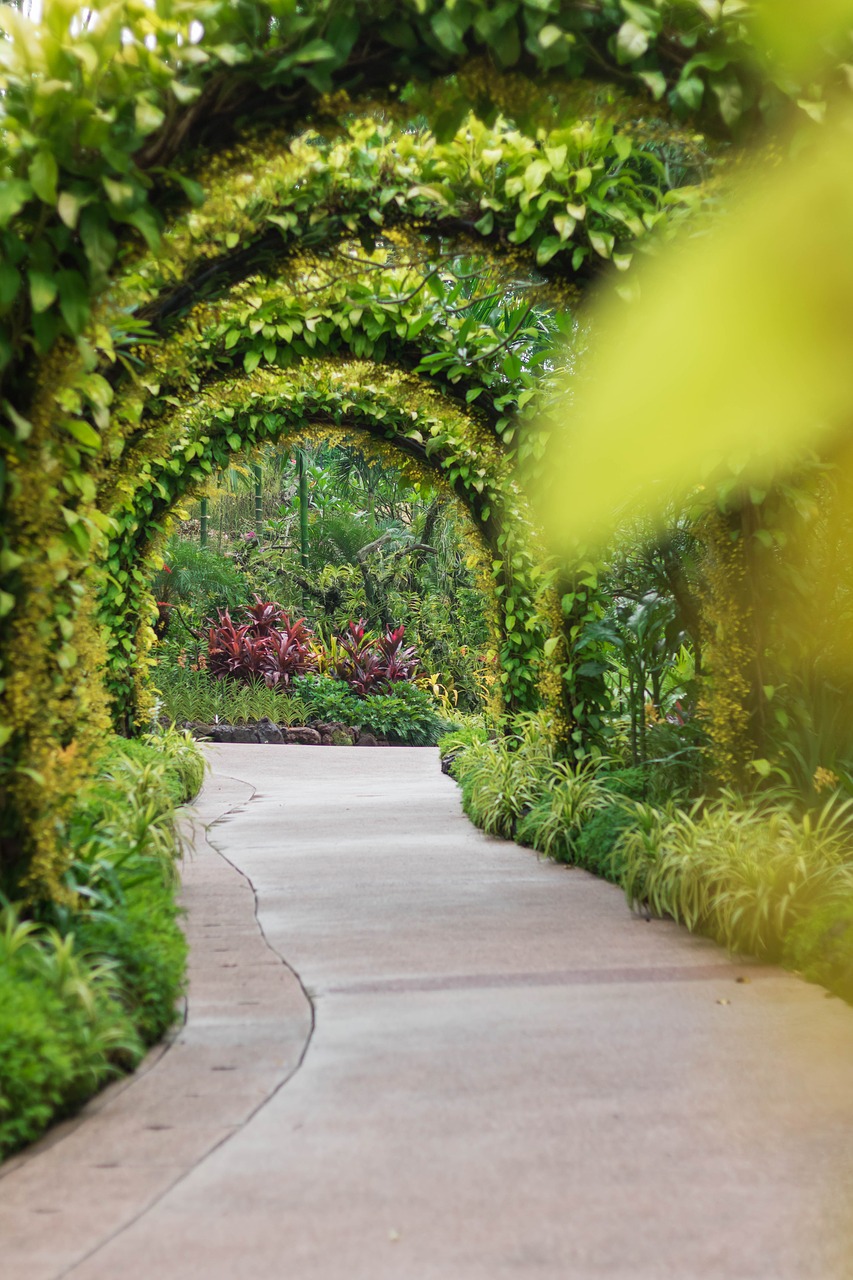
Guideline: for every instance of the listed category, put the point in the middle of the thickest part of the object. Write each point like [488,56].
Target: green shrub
[84,987]
[502,779]
[193,696]
[748,875]
[596,847]
[460,736]
[149,950]
[821,947]
[572,795]
[629,782]
[407,715]
[63,1028]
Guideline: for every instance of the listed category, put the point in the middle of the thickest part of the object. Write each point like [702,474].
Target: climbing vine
[209,228]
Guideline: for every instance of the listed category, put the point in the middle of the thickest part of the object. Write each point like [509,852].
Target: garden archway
[404,420]
[546,207]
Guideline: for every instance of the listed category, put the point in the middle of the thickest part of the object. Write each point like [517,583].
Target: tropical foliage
[87,984]
[262,225]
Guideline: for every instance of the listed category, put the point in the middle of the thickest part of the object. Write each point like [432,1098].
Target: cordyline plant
[371,664]
[267,647]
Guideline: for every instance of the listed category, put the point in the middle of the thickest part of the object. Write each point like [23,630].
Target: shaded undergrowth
[87,984]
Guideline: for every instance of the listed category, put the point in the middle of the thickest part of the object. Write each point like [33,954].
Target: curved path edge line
[93,1176]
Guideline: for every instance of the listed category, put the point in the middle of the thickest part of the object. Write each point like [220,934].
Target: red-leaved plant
[267,647]
[371,664]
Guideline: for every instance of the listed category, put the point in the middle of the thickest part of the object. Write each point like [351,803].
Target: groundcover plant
[284,223]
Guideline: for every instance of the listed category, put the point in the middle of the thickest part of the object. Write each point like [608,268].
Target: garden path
[508,1073]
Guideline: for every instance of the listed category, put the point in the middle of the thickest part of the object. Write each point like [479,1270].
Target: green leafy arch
[91,467]
[398,412]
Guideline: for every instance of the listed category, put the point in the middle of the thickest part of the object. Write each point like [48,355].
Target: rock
[269,732]
[243,733]
[447,761]
[304,735]
[367,740]
[342,737]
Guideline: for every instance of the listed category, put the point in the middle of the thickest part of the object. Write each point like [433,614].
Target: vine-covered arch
[397,411]
[277,245]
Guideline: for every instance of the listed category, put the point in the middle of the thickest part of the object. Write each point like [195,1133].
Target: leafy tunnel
[371,272]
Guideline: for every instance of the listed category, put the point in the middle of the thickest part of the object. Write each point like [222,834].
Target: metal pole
[203,530]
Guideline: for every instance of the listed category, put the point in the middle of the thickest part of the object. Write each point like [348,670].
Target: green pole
[303,510]
[259,497]
[203,530]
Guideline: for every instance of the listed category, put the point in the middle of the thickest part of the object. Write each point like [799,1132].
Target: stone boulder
[268,732]
[304,736]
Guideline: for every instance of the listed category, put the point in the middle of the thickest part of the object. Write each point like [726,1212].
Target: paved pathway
[505,1074]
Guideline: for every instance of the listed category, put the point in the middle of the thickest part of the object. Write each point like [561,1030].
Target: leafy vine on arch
[558,206]
[393,408]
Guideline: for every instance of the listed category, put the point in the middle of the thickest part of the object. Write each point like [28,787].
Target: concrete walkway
[504,1073]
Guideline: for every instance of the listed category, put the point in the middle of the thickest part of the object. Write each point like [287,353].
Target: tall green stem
[303,510]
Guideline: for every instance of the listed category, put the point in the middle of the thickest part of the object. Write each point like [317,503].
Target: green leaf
[506,44]
[146,223]
[548,247]
[194,191]
[691,91]
[632,41]
[535,174]
[729,94]
[549,35]
[73,300]
[23,428]
[118,193]
[83,433]
[251,360]
[43,290]
[10,283]
[230,54]
[43,173]
[185,93]
[655,81]
[602,242]
[485,224]
[13,196]
[446,33]
[147,116]
[99,241]
[68,207]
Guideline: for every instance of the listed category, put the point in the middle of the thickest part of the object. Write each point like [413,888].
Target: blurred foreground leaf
[736,359]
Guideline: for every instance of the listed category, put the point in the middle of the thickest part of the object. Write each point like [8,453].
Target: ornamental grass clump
[502,780]
[573,794]
[746,875]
